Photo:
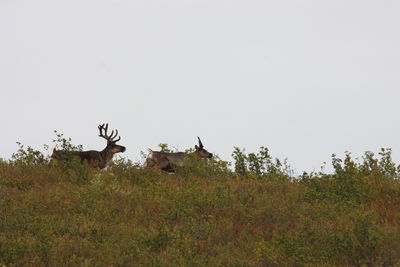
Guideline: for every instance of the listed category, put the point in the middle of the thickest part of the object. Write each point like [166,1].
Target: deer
[165,160]
[95,159]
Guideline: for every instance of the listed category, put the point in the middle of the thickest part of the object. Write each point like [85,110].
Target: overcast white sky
[304,78]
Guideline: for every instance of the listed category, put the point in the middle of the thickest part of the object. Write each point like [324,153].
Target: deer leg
[164,165]
[150,163]
[168,168]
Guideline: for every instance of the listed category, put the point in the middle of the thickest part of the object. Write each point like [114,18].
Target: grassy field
[206,215]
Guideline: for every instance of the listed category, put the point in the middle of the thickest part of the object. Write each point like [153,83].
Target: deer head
[111,147]
[201,152]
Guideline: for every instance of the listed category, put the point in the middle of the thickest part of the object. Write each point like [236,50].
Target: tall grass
[68,214]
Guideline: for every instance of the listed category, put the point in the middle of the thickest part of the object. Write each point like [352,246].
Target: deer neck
[107,154]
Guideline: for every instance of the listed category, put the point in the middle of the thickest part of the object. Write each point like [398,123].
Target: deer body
[165,160]
[95,159]
[160,158]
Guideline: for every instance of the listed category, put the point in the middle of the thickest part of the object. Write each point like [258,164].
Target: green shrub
[260,165]
[205,214]
[28,156]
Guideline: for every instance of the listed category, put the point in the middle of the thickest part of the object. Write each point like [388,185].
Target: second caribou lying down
[165,160]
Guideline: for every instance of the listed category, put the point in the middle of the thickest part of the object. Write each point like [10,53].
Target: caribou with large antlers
[166,160]
[95,159]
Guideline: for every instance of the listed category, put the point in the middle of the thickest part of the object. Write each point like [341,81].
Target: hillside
[206,215]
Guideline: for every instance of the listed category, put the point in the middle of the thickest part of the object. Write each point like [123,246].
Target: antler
[109,138]
[200,143]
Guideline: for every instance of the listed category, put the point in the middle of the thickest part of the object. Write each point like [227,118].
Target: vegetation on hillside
[253,214]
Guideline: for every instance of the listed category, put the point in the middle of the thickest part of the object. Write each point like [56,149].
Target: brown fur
[95,159]
[165,160]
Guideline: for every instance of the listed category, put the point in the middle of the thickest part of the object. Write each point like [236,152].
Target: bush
[28,156]
[260,165]
[205,214]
